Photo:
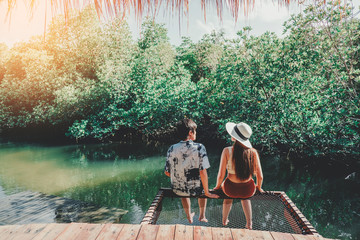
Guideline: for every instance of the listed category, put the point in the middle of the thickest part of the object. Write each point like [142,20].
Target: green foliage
[75,45]
[142,86]
[28,82]
[53,82]
[112,86]
[300,93]
[152,34]
[201,58]
[3,51]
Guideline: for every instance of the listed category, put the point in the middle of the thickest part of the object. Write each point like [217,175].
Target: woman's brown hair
[243,158]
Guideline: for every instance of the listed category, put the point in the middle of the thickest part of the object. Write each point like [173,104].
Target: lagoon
[128,176]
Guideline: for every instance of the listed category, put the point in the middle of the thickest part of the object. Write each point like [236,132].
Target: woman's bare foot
[202,219]
[190,218]
[225,222]
[248,226]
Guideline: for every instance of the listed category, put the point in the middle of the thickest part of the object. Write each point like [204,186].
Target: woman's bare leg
[246,205]
[202,206]
[187,207]
[227,204]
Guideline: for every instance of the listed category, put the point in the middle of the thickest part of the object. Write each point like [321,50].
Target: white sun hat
[241,132]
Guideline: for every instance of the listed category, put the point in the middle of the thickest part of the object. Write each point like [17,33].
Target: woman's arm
[222,168]
[258,172]
[204,181]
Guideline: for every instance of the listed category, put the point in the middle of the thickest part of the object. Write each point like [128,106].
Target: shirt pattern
[184,162]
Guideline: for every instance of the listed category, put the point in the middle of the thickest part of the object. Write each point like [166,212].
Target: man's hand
[210,195]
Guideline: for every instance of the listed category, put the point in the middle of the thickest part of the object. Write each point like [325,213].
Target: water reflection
[57,170]
[129,176]
[30,207]
[106,175]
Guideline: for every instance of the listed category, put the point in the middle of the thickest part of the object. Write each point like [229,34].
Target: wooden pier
[29,215]
[109,231]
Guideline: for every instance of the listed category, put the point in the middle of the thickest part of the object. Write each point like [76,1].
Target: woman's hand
[216,188]
[259,189]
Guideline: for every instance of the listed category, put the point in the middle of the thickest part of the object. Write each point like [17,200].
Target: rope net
[269,213]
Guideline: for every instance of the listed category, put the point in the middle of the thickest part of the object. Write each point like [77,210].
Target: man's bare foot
[226,222]
[203,219]
[190,218]
[248,226]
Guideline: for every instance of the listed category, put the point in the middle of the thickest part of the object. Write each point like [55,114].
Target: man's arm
[167,163]
[204,181]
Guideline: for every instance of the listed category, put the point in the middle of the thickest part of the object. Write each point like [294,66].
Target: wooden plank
[51,231]
[90,231]
[243,234]
[14,231]
[202,233]
[7,230]
[221,233]
[110,231]
[129,232]
[139,232]
[291,221]
[72,231]
[165,232]
[250,234]
[3,228]
[29,231]
[304,237]
[183,232]
[151,215]
[148,232]
[282,236]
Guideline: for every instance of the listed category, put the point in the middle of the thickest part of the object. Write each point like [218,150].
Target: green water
[129,176]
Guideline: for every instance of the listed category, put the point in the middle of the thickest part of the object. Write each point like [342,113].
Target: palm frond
[110,8]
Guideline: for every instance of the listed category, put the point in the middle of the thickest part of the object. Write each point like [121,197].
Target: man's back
[185,160]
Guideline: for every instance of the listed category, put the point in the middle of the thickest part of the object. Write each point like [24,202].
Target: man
[186,165]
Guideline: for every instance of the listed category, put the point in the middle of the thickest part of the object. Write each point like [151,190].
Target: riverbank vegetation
[88,80]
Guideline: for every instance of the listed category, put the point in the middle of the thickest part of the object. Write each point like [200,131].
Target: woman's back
[231,169]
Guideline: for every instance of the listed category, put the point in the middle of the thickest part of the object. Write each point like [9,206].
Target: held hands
[211,195]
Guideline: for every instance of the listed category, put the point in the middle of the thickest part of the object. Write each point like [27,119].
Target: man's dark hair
[184,126]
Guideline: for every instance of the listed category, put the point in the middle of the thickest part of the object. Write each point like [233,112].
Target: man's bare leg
[227,204]
[187,207]
[202,206]
[246,204]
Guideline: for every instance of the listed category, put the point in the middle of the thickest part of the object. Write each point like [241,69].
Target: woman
[242,162]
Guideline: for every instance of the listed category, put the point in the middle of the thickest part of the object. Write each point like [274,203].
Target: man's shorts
[196,192]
